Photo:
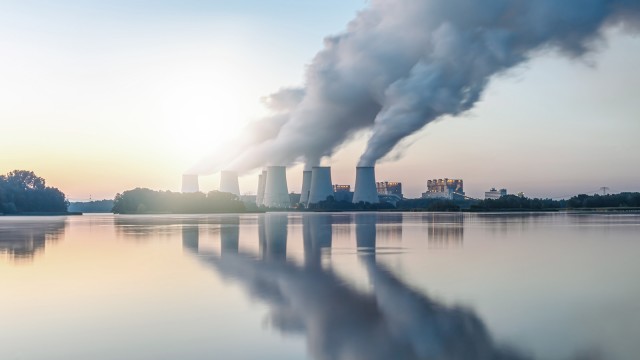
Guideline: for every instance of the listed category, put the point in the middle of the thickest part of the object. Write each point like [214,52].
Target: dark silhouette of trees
[23,191]
[146,201]
[513,202]
[625,199]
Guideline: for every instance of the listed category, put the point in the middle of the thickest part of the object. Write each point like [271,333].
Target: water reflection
[392,321]
[317,233]
[21,239]
[444,230]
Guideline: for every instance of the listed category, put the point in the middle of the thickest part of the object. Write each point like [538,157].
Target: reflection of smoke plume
[393,322]
[401,64]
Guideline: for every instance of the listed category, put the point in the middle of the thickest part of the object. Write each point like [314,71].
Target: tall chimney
[321,186]
[276,193]
[366,190]
[190,183]
[262,182]
[229,182]
[306,187]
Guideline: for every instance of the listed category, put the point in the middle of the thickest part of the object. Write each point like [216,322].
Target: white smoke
[401,64]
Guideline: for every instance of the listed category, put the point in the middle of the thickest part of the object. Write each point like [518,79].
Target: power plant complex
[317,186]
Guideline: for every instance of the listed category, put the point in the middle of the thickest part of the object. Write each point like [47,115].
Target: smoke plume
[402,64]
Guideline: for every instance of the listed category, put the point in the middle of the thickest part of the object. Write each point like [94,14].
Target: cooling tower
[229,182]
[366,190]
[276,193]
[262,181]
[306,187]
[190,183]
[321,186]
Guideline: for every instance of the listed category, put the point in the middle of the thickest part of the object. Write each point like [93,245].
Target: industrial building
[342,193]
[389,188]
[495,194]
[444,189]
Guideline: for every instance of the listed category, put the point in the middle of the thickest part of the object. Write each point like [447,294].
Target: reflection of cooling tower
[272,232]
[190,183]
[190,237]
[276,193]
[316,235]
[262,181]
[366,231]
[321,186]
[365,185]
[230,237]
[306,187]
[229,182]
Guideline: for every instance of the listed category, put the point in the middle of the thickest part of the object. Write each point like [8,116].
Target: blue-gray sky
[99,98]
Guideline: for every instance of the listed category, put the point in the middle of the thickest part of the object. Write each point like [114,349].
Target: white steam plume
[401,64]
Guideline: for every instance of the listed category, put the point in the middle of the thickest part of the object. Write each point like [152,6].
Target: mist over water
[402,64]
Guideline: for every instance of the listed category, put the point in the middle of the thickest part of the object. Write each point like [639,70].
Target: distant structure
[321,187]
[306,187]
[262,183]
[190,183]
[521,194]
[389,188]
[276,193]
[444,189]
[229,182]
[495,194]
[365,185]
[342,193]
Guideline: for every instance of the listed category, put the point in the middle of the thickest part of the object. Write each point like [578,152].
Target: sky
[101,97]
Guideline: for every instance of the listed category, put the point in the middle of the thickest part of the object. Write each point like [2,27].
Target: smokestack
[276,193]
[321,186]
[190,183]
[262,182]
[306,187]
[229,182]
[366,190]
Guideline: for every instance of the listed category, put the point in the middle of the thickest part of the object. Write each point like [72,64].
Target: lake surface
[321,286]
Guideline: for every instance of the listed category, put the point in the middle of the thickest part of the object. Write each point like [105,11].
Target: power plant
[229,182]
[306,187]
[190,183]
[365,185]
[276,192]
[262,182]
[321,186]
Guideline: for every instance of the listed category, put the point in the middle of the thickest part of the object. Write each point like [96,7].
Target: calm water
[321,286]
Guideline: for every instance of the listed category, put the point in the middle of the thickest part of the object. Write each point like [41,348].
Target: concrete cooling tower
[321,186]
[276,193]
[229,182]
[306,187]
[262,182]
[190,183]
[366,190]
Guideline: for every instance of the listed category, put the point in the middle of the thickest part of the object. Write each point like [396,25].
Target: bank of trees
[22,191]
[146,201]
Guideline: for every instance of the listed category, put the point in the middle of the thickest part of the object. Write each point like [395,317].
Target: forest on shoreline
[22,192]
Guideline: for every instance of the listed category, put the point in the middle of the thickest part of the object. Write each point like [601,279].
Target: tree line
[22,191]
[147,201]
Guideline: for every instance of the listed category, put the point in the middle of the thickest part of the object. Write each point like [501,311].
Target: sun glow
[206,107]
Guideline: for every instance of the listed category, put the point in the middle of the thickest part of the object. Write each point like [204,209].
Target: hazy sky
[102,98]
